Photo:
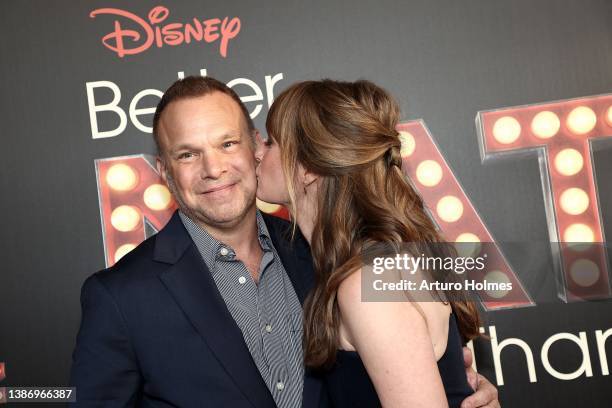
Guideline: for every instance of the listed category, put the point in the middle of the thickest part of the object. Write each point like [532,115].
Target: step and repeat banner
[506,134]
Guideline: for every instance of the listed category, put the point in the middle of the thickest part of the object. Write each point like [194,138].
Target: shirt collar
[262,232]
[212,250]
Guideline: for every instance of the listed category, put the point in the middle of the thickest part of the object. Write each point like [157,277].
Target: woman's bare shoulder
[360,315]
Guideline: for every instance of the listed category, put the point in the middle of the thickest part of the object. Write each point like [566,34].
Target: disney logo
[128,41]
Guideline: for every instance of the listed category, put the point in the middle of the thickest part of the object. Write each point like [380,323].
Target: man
[208,311]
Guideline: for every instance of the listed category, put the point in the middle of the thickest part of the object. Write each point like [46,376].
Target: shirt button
[224,251]
[269,328]
[280,386]
[242,280]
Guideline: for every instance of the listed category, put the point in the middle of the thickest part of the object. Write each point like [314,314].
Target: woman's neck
[306,226]
[306,208]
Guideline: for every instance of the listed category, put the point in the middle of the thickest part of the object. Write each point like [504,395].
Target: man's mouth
[218,188]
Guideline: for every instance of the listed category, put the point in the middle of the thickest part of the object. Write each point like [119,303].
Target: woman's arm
[394,343]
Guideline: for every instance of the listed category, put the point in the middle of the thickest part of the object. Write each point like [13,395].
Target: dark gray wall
[443,60]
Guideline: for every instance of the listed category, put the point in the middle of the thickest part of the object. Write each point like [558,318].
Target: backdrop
[80,81]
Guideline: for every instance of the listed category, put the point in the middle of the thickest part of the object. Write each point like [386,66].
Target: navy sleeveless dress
[349,385]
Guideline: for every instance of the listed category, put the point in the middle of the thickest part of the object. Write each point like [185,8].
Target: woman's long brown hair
[345,132]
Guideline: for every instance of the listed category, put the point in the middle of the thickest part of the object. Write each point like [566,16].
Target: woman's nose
[260,149]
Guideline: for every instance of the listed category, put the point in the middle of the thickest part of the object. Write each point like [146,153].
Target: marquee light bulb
[449,208]
[157,197]
[121,177]
[585,272]
[545,124]
[569,162]
[408,143]
[467,244]
[609,115]
[574,201]
[581,120]
[123,250]
[506,130]
[579,233]
[125,218]
[429,173]
[267,207]
[497,277]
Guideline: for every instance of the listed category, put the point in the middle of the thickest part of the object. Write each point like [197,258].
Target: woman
[333,158]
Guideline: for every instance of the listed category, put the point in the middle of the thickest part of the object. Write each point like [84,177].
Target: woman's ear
[305,177]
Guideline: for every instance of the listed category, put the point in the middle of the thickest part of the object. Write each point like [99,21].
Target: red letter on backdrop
[455,215]
[132,196]
[561,134]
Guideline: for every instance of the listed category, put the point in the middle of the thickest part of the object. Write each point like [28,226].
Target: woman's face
[271,186]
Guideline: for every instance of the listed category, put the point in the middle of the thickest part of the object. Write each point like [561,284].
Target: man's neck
[240,236]
[243,239]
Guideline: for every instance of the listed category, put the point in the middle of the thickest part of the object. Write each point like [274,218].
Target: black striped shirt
[269,313]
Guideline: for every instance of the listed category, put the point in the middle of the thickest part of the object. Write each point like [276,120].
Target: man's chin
[224,217]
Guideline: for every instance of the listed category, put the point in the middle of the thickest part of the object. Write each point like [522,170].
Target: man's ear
[161,168]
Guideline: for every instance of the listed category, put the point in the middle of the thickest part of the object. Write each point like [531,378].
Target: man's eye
[186,155]
[229,144]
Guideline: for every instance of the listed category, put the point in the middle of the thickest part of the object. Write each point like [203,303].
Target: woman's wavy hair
[345,132]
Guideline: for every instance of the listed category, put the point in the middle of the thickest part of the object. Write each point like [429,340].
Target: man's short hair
[193,87]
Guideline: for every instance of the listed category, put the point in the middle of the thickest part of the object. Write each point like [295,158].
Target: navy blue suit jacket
[155,331]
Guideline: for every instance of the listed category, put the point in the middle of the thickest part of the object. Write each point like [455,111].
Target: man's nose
[213,165]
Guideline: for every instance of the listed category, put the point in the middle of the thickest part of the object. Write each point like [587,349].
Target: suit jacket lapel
[190,283]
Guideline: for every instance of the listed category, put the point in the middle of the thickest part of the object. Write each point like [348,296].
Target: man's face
[208,160]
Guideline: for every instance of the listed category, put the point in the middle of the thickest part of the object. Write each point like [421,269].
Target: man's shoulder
[282,230]
[149,258]
[287,239]
[283,233]
[132,269]
[275,223]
